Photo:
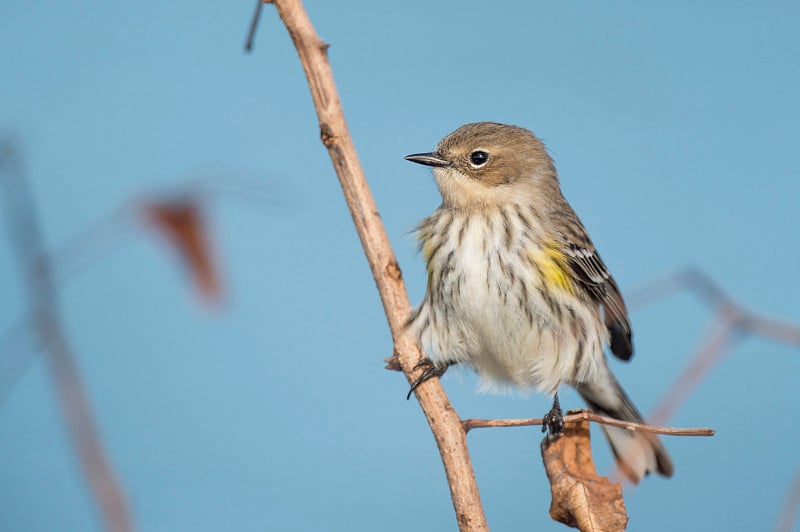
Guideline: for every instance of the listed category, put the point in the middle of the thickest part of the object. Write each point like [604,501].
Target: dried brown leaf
[181,223]
[580,498]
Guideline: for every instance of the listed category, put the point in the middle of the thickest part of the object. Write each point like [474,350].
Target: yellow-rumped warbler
[516,290]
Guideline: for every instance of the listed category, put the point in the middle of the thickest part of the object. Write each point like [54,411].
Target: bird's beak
[428,159]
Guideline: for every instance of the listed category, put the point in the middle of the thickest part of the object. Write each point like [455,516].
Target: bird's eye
[478,158]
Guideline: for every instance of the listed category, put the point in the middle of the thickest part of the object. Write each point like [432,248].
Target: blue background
[675,129]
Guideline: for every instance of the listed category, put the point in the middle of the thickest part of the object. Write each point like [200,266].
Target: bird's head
[486,164]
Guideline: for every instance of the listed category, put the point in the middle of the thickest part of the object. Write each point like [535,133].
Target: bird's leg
[553,421]
[431,370]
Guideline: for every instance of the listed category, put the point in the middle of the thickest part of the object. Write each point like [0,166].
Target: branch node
[326,135]
[393,270]
[393,363]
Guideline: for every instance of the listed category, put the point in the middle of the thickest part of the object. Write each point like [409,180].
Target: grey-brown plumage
[516,289]
[591,272]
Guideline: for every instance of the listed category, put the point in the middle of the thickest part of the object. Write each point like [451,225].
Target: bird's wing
[593,275]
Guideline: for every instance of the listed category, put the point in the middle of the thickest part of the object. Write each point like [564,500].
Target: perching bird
[516,290]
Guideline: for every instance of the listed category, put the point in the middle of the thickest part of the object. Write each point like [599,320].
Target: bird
[517,291]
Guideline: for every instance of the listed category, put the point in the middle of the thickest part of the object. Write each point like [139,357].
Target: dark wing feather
[593,275]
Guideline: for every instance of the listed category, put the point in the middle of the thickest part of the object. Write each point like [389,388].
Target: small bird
[517,291]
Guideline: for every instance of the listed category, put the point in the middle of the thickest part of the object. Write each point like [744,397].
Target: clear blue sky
[675,129]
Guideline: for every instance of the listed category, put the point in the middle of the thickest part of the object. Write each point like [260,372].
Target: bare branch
[26,238]
[585,415]
[442,418]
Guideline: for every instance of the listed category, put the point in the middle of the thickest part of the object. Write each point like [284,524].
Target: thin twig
[95,241]
[586,415]
[26,238]
[251,33]
[442,417]
[690,279]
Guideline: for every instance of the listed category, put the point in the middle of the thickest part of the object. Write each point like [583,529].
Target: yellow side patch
[554,267]
[427,248]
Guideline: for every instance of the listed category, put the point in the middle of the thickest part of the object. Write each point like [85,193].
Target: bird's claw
[553,421]
[431,370]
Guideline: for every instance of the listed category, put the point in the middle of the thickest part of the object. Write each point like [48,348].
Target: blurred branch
[99,238]
[16,351]
[719,341]
[442,418]
[733,323]
[575,416]
[27,241]
[791,505]
[91,243]
[709,292]
[580,498]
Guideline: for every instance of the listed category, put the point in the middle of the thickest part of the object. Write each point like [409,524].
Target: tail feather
[637,453]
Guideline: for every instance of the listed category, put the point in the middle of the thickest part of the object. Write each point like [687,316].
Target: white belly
[492,315]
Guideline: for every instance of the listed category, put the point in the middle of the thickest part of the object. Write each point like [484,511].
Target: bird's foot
[553,421]
[431,370]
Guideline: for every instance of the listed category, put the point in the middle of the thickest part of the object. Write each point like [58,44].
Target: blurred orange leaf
[182,224]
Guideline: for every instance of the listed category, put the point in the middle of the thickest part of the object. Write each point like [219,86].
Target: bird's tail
[637,453]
